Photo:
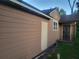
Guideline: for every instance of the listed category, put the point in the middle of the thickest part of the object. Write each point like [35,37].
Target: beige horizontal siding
[61,32]
[20,34]
[72,30]
[53,36]
[55,14]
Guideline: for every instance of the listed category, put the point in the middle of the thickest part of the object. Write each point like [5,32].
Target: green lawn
[67,51]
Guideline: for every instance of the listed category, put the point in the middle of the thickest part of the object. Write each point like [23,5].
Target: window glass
[55,25]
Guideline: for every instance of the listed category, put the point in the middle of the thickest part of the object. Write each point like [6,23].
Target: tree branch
[69,4]
[73,3]
[72,6]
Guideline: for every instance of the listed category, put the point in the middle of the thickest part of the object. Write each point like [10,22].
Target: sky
[47,4]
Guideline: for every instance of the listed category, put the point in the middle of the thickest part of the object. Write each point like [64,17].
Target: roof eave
[21,4]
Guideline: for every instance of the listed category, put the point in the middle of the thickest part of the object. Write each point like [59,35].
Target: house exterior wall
[72,30]
[61,31]
[55,15]
[20,34]
[52,35]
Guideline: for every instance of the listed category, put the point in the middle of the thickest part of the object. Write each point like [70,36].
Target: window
[55,25]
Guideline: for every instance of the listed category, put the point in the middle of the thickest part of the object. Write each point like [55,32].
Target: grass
[52,56]
[65,50]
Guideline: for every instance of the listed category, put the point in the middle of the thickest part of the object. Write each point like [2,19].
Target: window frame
[55,25]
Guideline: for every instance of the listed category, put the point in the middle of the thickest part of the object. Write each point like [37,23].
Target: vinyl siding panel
[55,15]
[61,31]
[20,34]
[72,31]
[53,36]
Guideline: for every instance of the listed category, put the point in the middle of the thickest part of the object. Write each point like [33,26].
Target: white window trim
[54,26]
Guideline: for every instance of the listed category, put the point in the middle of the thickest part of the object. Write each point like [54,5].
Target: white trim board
[44,35]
